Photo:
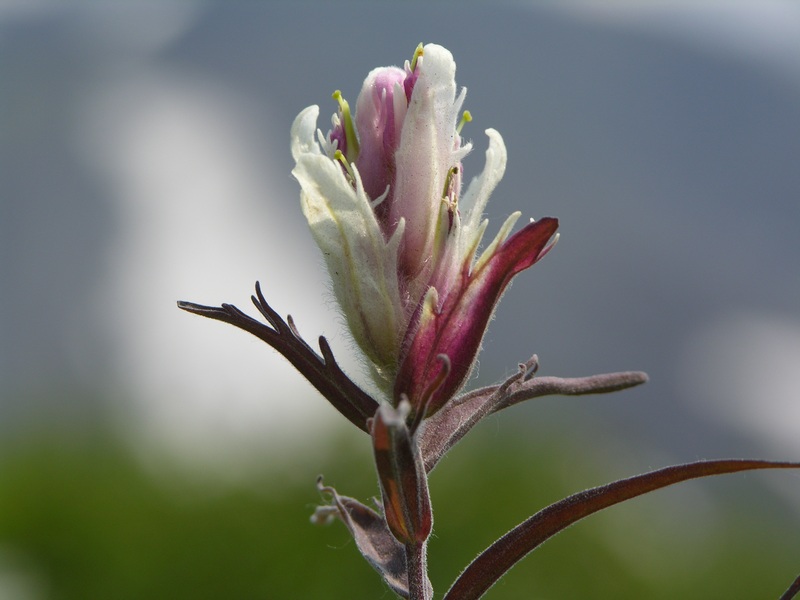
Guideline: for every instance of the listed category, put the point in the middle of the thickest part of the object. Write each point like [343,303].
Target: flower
[382,196]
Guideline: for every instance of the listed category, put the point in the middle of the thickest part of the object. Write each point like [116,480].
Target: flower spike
[382,194]
[384,205]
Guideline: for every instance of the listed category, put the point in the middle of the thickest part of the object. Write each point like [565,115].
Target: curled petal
[303,130]
[481,186]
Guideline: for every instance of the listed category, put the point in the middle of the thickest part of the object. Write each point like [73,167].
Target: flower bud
[404,483]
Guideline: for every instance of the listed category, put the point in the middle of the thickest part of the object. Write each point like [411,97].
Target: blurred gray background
[145,159]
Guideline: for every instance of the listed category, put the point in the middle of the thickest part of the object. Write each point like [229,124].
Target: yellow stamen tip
[417,53]
[347,123]
[338,155]
[466,117]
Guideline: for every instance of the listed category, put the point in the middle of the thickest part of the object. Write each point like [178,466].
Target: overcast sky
[145,159]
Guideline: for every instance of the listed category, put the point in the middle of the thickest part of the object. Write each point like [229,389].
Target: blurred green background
[80,519]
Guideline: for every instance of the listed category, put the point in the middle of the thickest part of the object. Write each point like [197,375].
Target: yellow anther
[466,117]
[452,172]
[339,155]
[417,53]
[349,127]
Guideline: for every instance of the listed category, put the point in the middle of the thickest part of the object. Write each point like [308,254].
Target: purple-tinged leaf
[372,537]
[322,372]
[441,431]
[793,590]
[498,558]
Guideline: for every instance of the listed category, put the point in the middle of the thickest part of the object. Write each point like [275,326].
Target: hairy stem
[419,586]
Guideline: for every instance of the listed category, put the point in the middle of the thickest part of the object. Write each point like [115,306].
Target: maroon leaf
[322,372]
[793,590]
[496,560]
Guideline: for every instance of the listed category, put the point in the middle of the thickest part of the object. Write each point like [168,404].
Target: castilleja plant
[401,237]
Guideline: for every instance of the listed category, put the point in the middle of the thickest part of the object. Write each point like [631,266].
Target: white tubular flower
[381,194]
[362,264]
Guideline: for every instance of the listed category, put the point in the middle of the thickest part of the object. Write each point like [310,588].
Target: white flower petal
[426,152]
[303,130]
[498,240]
[477,195]
[482,186]
[362,265]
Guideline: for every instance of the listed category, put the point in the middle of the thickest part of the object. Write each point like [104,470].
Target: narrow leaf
[793,590]
[444,429]
[496,560]
[323,372]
